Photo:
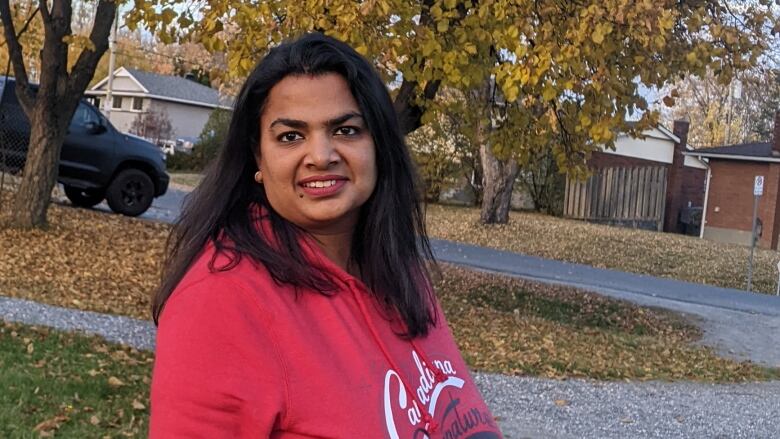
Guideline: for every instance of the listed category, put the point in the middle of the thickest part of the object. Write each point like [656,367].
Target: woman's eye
[289,137]
[346,131]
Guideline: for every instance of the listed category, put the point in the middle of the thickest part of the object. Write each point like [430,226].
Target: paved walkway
[736,323]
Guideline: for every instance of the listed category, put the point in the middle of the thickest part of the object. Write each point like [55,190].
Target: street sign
[758,185]
[758,190]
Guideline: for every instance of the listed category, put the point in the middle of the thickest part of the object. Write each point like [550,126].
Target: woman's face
[316,154]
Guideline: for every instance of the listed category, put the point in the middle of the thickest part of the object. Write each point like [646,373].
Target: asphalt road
[737,324]
[165,208]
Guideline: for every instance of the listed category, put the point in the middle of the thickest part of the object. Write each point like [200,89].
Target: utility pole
[735,92]
[108,104]
[728,117]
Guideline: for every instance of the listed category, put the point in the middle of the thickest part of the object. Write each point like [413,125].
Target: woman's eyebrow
[343,118]
[292,123]
[299,124]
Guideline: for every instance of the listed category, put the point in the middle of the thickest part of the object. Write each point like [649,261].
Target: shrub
[206,148]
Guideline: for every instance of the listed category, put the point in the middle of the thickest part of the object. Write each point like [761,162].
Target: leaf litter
[109,263]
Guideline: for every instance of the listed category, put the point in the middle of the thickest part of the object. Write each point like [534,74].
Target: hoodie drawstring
[438,375]
[432,426]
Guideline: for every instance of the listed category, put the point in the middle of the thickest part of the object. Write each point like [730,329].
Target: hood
[363,297]
[144,148]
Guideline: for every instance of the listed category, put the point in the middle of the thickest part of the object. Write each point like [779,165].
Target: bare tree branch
[82,71]
[16,56]
[24,26]
[45,14]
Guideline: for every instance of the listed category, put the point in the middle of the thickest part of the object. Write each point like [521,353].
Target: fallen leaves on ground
[637,251]
[86,260]
[523,328]
[184,180]
[109,263]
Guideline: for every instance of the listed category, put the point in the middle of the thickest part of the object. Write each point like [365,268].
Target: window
[117,102]
[98,102]
[83,115]
[138,104]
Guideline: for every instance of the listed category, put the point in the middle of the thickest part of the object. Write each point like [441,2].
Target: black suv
[96,162]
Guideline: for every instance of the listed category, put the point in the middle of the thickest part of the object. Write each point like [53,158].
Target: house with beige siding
[186,103]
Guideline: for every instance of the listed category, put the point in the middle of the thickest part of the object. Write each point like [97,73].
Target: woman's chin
[329,221]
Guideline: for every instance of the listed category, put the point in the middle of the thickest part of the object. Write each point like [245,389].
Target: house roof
[171,88]
[754,151]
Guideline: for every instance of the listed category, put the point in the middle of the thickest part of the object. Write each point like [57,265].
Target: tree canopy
[721,114]
[569,69]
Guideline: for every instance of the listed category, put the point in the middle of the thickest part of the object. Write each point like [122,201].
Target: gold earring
[259,176]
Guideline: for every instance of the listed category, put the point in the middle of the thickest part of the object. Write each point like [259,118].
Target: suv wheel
[84,197]
[130,193]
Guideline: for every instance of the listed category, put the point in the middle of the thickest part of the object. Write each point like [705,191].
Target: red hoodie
[238,356]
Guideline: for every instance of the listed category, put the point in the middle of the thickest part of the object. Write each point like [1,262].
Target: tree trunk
[40,172]
[498,181]
[52,107]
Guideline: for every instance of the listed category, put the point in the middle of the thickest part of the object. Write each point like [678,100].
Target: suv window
[103,120]
[83,115]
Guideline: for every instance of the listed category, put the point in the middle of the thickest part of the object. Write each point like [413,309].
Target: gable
[122,84]
[126,79]
[657,148]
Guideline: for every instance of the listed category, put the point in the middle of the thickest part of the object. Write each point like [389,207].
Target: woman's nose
[322,152]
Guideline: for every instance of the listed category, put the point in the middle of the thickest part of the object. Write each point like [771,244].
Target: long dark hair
[390,244]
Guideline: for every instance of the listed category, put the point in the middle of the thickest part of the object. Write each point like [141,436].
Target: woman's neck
[337,247]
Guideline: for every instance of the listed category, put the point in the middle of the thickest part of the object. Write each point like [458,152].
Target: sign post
[758,190]
[777,292]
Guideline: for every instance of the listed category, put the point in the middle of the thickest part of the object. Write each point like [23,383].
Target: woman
[296,301]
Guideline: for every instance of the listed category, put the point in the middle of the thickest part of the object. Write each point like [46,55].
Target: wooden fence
[632,196]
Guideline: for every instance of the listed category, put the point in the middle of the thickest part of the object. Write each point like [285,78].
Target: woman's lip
[318,192]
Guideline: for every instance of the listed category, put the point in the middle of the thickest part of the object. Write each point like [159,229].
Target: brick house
[728,209]
[683,176]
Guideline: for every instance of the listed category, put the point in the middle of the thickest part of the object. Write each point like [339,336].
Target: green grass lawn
[637,251]
[58,384]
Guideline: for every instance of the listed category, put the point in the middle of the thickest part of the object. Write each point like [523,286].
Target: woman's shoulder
[223,275]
